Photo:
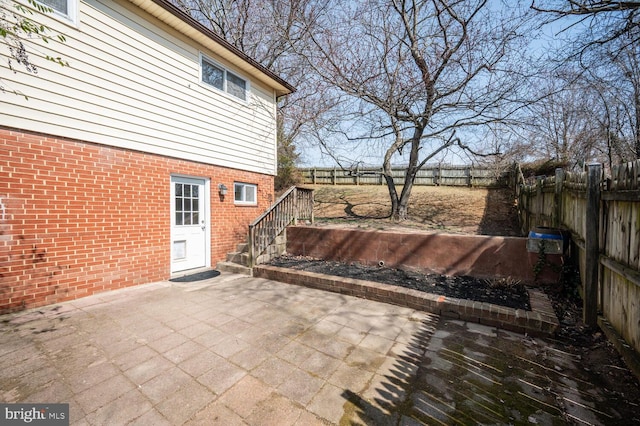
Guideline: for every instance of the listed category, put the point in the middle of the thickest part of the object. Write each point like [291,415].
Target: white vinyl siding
[135,85]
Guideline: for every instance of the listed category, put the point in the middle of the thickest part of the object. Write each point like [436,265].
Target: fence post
[592,246]
[557,219]
[528,210]
[539,202]
[310,205]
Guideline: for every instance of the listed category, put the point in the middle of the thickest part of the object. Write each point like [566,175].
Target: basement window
[245,193]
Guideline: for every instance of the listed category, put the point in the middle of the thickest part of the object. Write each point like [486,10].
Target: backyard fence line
[438,175]
[603,215]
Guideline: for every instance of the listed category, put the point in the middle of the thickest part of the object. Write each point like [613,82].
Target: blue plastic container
[554,240]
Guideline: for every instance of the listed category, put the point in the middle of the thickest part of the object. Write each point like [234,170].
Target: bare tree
[584,7]
[414,75]
[562,125]
[265,30]
[605,20]
[626,94]
[603,39]
[610,79]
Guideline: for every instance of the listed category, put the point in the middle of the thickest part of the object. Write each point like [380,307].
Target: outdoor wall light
[222,189]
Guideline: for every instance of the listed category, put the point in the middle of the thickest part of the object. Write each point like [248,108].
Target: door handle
[203,226]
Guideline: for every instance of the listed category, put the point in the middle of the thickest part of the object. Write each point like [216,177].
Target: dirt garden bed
[503,292]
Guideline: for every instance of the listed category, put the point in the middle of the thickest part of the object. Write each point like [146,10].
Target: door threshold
[186,272]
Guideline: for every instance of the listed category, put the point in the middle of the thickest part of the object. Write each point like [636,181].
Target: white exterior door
[189,223]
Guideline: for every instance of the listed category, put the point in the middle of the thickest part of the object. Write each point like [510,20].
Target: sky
[346,156]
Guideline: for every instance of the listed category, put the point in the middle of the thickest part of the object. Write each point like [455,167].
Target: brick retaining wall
[448,254]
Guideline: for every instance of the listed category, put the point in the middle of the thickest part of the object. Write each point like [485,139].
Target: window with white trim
[222,79]
[245,193]
[64,8]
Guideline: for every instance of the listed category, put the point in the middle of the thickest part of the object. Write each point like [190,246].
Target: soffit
[175,18]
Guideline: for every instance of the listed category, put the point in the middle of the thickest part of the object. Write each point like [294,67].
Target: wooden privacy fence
[603,215]
[429,175]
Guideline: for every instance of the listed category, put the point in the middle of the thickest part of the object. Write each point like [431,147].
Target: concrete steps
[234,268]
[237,261]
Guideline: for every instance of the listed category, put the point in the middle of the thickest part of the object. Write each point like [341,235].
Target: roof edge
[285,88]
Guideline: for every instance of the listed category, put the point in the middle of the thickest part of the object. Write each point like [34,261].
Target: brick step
[234,268]
[239,258]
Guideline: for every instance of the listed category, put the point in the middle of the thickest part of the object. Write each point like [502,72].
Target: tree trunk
[402,210]
[393,195]
[636,96]
[391,186]
[403,203]
[400,205]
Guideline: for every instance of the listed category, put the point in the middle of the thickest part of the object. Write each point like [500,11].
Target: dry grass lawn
[443,208]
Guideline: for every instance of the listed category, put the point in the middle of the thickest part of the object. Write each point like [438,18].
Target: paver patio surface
[234,350]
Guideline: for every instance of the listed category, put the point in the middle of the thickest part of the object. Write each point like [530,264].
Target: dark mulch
[505,292]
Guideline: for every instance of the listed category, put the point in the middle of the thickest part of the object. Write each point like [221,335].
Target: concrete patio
[234,350]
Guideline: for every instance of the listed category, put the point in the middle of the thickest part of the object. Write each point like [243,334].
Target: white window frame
[72,11]
[225,71]
[243,196]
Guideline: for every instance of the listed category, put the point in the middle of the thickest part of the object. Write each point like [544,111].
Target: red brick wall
[449,254]
[79,218]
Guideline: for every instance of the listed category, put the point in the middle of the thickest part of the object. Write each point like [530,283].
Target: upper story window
[245,193]
[64,8]
[222,79]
